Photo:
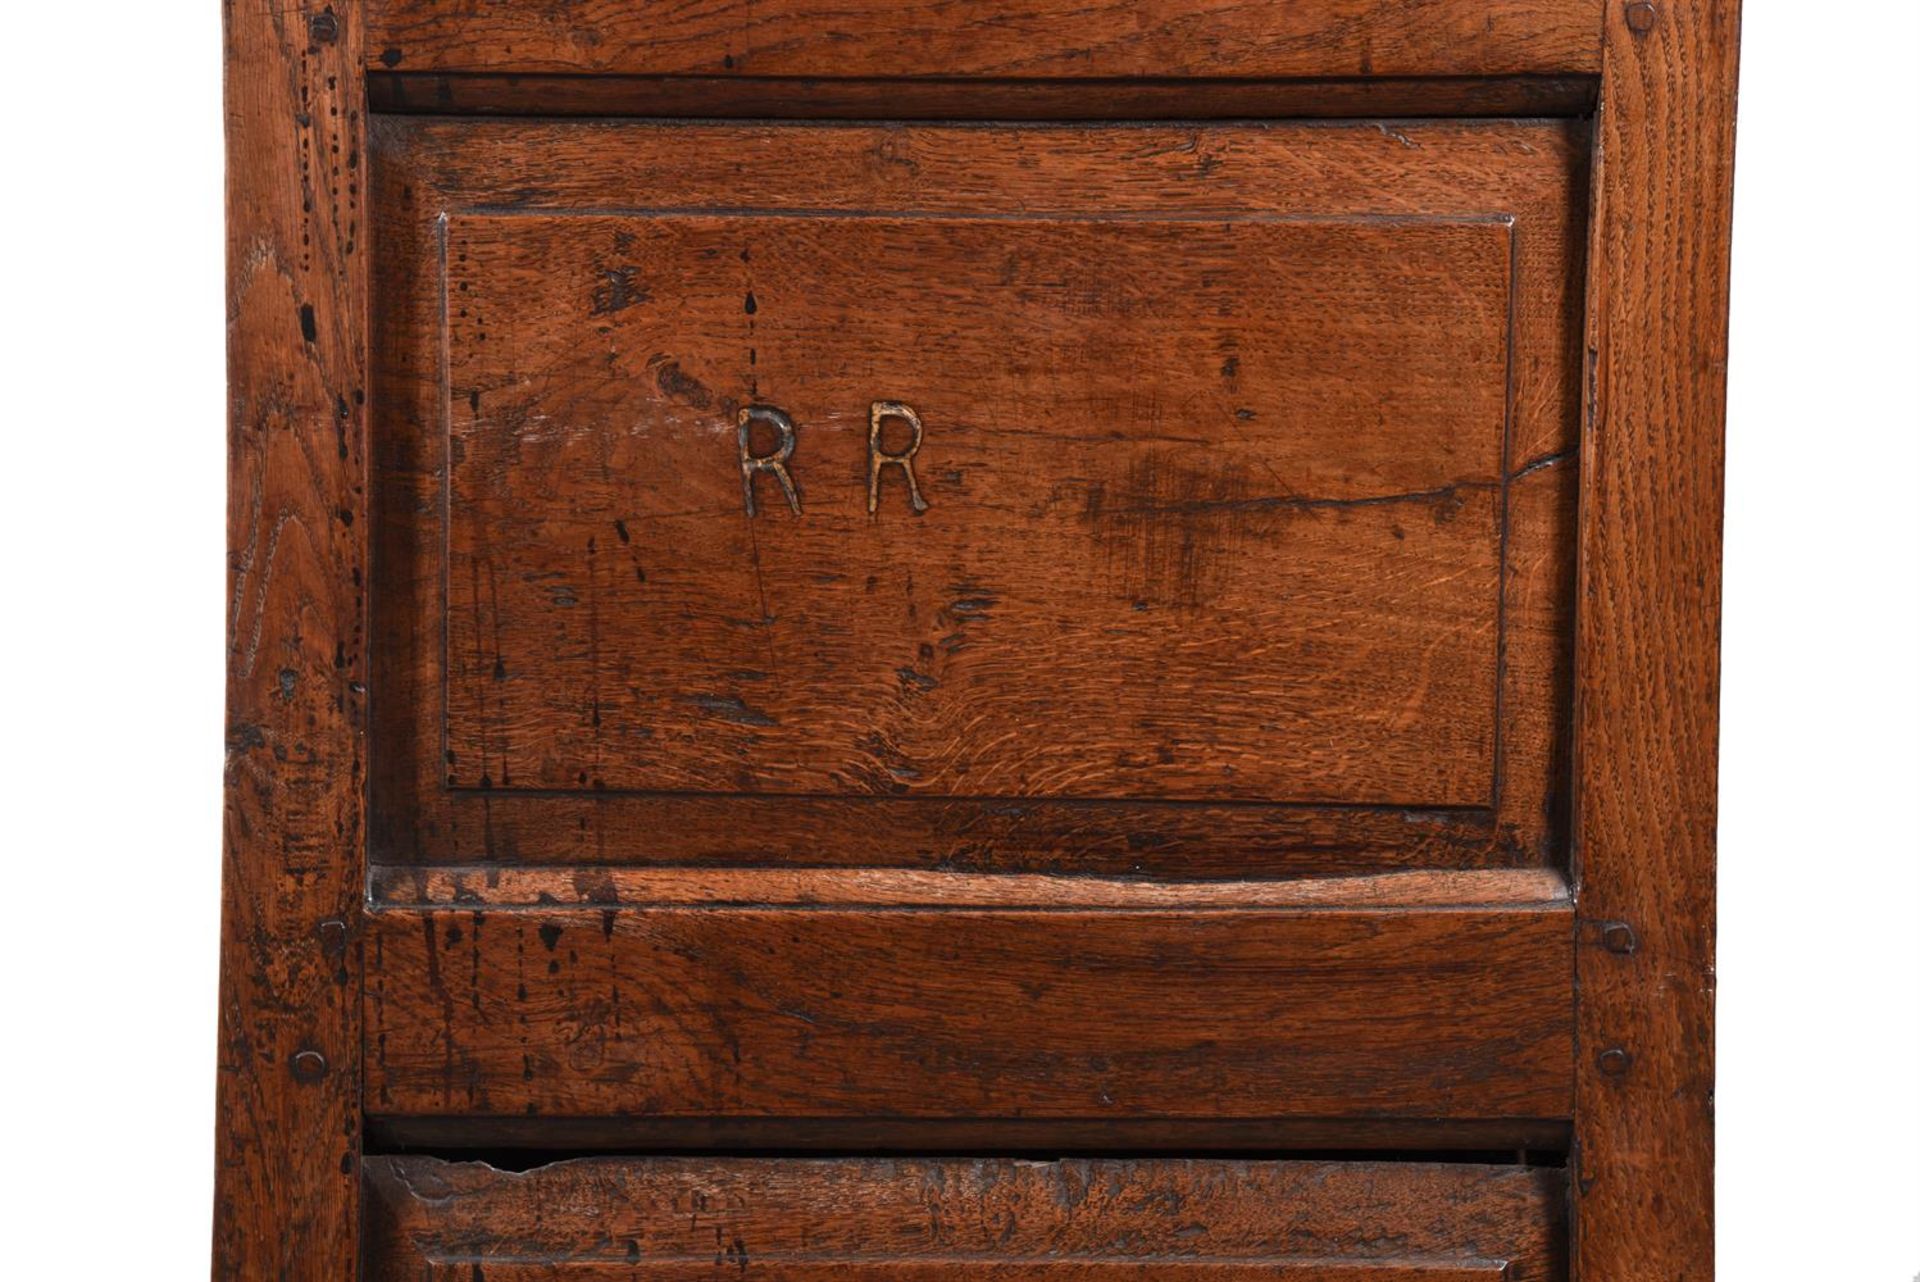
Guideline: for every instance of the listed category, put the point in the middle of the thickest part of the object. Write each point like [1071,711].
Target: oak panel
[1060,1221]
[1003,39]
[1186,509]
[1454,760]
[1069,1013]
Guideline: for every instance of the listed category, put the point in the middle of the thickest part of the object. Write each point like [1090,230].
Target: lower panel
[667,1219]
[801,1012]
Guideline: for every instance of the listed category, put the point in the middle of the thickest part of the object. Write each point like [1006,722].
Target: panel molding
[1532,175]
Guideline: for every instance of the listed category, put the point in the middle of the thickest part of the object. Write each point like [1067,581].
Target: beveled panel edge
[507,889]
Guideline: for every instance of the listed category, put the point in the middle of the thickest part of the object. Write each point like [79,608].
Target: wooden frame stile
[1647,643]
[288,1150]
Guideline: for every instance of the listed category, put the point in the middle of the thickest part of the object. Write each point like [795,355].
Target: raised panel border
[1532,171]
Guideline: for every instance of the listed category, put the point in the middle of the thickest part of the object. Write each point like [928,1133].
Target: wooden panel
[1178,578]
[1004,38]
[1066,1221]
[288,1141]
[1194,510]
[1649,642]
[1430,1013]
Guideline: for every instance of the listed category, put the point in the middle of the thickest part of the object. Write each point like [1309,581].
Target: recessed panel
[1163,500]
[1004,506]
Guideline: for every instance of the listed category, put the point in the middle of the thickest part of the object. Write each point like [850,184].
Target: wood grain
[1071,1013]
[1114,589]
[1062,1221]
[1003,38]
[769,935]
[1100,633]
[288,1142]
[597,887]
[1648,645]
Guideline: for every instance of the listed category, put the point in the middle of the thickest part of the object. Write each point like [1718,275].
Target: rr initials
[878,458]
[776,462]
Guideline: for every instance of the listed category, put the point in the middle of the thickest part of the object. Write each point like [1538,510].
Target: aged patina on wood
[936,1221]
[1147,509]
[287,1158]
[1649,641]
[976,637]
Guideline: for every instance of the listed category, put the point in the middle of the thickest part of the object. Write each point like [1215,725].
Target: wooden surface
[1000,38]
[1108,591]
[1109,641]
[593,887]
[1429,1013]
[1649,641]
[1007,1221]
[776,943]
[287,1180]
